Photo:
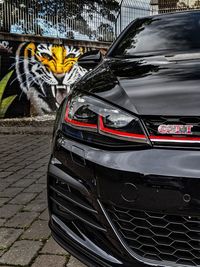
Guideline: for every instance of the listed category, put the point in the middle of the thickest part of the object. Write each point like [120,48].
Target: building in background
[164,6]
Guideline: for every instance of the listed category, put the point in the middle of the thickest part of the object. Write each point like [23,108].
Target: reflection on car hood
[159,85]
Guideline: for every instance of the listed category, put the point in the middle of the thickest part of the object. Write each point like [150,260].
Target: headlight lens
[92,120]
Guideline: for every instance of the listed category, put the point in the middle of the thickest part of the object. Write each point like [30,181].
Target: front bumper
[126,208]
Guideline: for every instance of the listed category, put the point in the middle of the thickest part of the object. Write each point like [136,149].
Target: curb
[34,125]
[27,130]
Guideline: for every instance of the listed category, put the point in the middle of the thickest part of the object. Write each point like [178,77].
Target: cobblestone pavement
[24,234]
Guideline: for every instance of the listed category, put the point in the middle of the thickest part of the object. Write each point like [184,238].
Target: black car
[124,174]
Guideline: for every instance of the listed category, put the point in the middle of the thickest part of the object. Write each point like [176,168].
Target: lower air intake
[169,240]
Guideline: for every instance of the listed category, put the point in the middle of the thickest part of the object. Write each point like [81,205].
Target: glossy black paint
[85,181]
[162,178]
[90,59]
[164,82]
[148,86]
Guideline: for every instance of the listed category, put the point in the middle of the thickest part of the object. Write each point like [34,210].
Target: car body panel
[129,180]
[149,86]
[138,205]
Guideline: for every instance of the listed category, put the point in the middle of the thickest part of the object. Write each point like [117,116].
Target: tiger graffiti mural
[46,73]
[35,76]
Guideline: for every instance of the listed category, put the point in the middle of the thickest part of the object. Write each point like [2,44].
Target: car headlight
[89,119]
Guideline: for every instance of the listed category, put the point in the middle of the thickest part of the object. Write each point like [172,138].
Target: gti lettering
[175,129]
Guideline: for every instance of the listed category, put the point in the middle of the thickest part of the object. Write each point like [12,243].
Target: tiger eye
[70,56]
[45,55]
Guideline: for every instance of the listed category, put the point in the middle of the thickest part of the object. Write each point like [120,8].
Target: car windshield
[153,35]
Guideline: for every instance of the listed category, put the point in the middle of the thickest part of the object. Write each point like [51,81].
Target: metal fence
[74,19]
[132,9]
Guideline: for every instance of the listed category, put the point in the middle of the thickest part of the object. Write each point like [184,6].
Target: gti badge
[175,129]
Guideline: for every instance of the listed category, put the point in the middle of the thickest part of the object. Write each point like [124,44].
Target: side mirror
[90,59]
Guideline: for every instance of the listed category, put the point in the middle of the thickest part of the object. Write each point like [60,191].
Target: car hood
[155,85]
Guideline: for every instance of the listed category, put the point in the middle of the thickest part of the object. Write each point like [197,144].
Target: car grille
[153,122]
[170,239]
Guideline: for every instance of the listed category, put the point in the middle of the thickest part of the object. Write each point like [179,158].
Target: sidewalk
[24,234]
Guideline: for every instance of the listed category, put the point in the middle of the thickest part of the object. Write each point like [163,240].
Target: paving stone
[37,205]
[7,211]
[2,221]
[24,162]
[8,236]
[24,171]
[39,230]
[44,215]
[51,247]
[35,188]
[43,195]
[7,165]
[22,219]
[23,198]
[21,253]
[16,159]
[3,185]
[3,201]
[36,165]
[34,175]
[14,168]
[22,183]
[2,252]
[5,174]
[73,262]
[33,179]
[11,192]
[50,261]
[13,178]
[42,180]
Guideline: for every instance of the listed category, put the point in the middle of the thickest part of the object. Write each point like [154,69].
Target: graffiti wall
[35,77]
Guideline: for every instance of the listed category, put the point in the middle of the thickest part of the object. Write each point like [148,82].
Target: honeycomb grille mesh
[168,238]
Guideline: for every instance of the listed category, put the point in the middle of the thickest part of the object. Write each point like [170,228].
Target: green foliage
[6,102]
[67,8]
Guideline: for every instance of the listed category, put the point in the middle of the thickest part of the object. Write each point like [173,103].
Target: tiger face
[46,73]
[57,59]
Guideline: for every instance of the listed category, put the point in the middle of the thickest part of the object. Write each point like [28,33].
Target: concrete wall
[36,73]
